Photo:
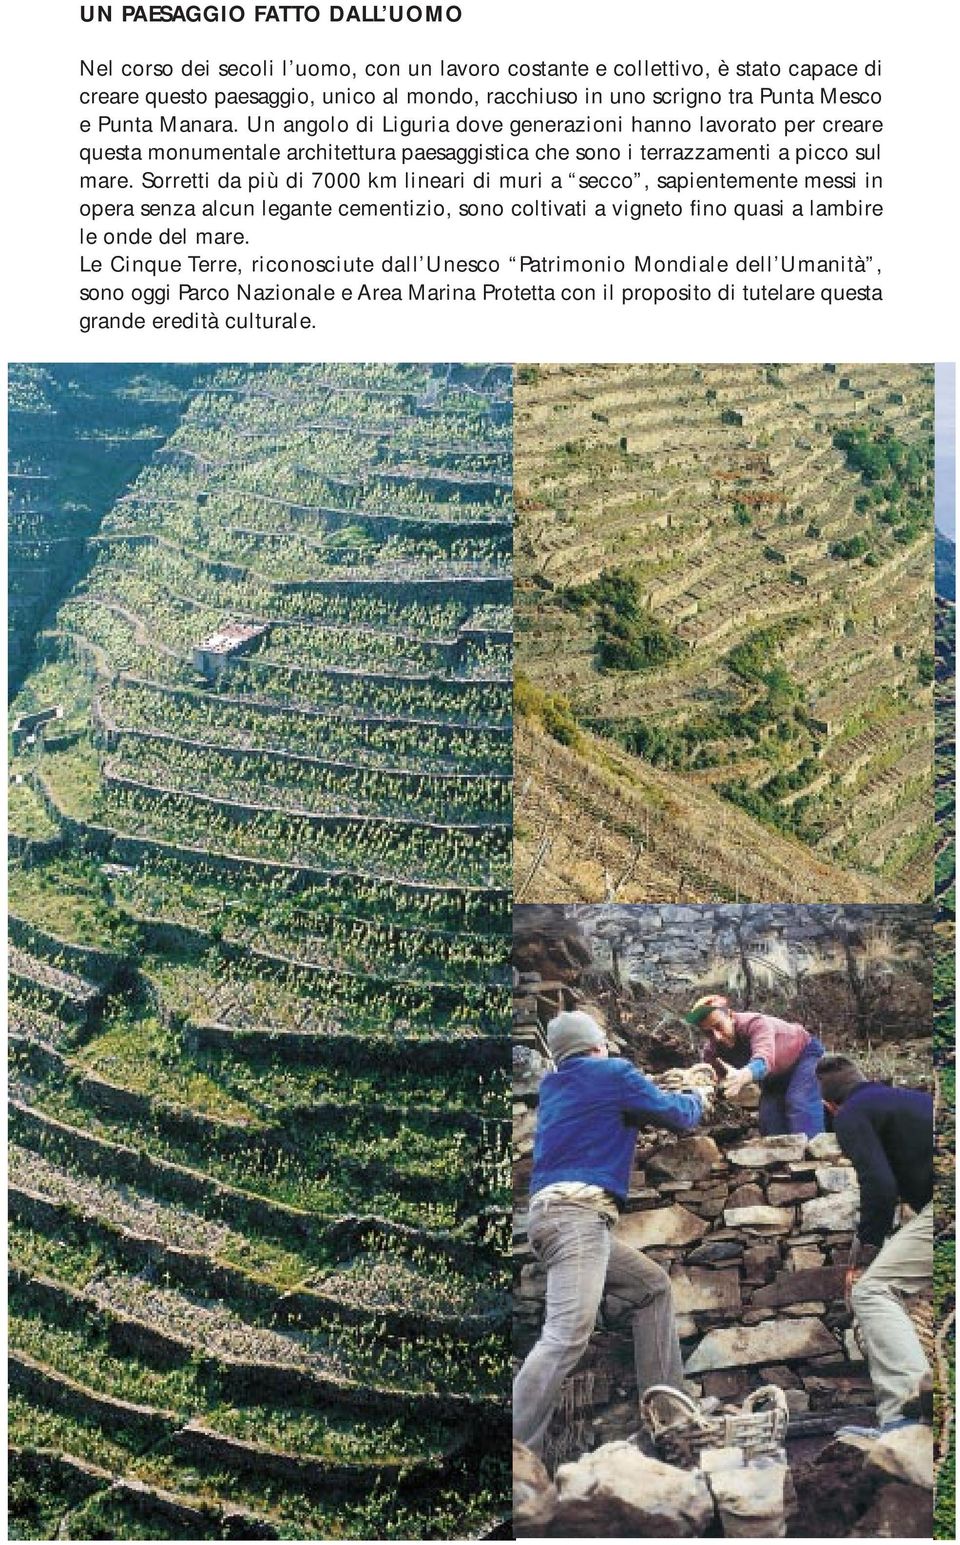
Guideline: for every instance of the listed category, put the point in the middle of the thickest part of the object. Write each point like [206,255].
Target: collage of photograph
[733,951]
[481,951]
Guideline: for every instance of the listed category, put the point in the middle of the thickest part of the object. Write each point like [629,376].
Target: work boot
[875,1433]
[919,1407]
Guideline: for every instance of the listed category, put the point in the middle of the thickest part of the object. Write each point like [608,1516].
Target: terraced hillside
[259,947]
[946,757]
[725,574]
[944,1042]
[78,435]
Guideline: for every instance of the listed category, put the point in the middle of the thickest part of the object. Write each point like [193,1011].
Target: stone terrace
[720,491]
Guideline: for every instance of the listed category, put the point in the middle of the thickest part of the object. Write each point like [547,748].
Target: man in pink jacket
[776,1054]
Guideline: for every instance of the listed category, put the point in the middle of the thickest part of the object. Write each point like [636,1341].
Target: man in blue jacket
[887,1133]
[589,1114]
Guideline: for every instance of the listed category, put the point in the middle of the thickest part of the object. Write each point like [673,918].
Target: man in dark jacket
[888,1135]
[590,1110]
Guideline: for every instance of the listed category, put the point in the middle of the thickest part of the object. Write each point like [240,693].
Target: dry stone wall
[843,970]
[754,1233]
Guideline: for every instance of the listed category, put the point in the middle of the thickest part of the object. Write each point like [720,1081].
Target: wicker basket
[680,1429]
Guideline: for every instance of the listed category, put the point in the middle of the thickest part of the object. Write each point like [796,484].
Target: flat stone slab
[766,1151]
[779,1219]
[905,1455]
[749,1195]
[824,1146]
[639,1196]
[701,1290]
[836,1177]
[759,1258]
[661,1226]
[533,1282]
[796,1287]
[692,1158]
[715,1251]
[524,1125]
[781,1193]
[805,1258]
[772,1341]
[835,1214]
[781,1375]
[852,1347]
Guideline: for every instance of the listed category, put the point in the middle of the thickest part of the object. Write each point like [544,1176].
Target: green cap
[703,1008]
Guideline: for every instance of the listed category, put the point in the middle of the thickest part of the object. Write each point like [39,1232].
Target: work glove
[735,1080]
[672,1081]
[708,1096]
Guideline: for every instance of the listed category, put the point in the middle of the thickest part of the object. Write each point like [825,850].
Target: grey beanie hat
[572,1032]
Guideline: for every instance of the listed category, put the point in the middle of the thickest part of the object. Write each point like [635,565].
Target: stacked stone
[836,969]
[755,1235]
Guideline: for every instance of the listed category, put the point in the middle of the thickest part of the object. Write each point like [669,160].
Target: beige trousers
[894,1354]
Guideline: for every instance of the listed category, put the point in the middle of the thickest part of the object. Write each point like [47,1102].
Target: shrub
[751,658]
[552,710]
[629,637]
[850,547]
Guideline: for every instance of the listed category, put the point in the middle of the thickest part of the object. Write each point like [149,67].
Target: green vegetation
[259,976]
[944,1054]
[896,473]
[722,569]
[551,709]
[753,658]
[70,897]
[78,435]
[707,739]
[27,814]
[764,802]
[628,636]
[878,454]
[851,547]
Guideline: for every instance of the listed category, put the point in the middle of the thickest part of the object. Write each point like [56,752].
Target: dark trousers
[792,1102]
